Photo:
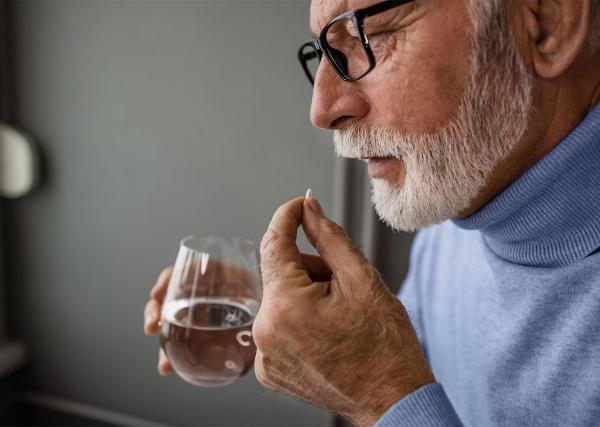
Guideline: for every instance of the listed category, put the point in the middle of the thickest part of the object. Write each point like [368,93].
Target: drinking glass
[213,297]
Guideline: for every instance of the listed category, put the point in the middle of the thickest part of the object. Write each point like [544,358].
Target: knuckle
[261,336]
[269,329]
[269,238]
[331,227]
[260,372]
[374,276]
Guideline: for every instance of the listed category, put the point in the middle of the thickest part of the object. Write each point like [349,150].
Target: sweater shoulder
[442,244]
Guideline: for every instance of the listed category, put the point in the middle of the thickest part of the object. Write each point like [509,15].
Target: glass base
[209,382]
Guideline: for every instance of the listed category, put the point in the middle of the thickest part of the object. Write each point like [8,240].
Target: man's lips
[380,167]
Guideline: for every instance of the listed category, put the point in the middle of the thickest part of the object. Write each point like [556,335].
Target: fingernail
[308,194]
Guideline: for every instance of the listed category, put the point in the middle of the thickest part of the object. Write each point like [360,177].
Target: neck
[561,104]
[549,217]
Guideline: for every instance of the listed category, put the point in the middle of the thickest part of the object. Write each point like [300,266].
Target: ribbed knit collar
[550,216]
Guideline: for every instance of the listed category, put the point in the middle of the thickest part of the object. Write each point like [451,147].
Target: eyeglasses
[344,43]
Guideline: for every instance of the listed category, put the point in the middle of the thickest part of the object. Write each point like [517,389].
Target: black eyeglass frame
[321,46]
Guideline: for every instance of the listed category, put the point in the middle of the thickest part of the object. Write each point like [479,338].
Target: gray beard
[446,170]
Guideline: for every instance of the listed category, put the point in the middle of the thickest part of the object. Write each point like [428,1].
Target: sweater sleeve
[426,407]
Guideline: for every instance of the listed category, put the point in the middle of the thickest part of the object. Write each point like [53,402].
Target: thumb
[331,241]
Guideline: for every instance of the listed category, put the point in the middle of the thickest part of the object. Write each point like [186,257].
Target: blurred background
[144,122]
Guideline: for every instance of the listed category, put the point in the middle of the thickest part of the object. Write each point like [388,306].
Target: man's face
[434,117]
[422,57]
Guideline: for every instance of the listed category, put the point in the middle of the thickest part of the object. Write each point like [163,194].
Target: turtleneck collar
[550,216]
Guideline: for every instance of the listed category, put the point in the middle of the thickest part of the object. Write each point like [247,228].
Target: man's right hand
[152,316]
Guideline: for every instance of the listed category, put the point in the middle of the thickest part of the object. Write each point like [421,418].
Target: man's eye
[352,32]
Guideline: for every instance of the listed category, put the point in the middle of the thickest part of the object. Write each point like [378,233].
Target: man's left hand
[328,330]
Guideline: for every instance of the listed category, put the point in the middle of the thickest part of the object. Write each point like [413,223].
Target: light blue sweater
[506,302]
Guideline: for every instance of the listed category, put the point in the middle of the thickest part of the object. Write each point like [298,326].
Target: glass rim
[247,246]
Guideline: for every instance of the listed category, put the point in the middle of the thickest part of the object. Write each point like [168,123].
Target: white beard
[446,170]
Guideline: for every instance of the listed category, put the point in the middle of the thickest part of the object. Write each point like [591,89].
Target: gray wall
[4,115]
[157,120]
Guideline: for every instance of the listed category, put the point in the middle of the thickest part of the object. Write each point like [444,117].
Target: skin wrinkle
[393,30]
[398,42]
[518,171]
[361,329]
[396,32]
[595,98]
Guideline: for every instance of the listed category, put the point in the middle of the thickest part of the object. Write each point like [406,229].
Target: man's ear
[557,30]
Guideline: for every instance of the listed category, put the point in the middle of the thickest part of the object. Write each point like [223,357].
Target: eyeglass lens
[346,49]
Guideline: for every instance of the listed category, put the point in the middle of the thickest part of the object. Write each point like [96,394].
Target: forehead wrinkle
[323,11]
[329,9]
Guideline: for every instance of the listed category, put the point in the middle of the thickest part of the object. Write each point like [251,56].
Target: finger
[280,256]
[164,366]
[316,267]
[331,241]
[159,289]
[151,317]
[285,222]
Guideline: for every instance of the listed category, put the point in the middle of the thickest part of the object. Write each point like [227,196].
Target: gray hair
[495,14]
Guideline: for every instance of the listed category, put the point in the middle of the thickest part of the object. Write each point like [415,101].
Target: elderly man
[479,111]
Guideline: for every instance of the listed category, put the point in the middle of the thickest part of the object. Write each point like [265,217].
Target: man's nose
[335,101]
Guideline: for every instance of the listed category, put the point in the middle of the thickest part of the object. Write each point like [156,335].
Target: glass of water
[213,297]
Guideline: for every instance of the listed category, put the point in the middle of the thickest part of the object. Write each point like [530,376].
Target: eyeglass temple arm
[310,55]
[315,53]
[381,7]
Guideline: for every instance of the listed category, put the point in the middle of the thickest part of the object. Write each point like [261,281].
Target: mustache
[361,142]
